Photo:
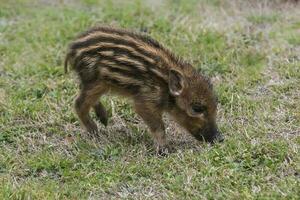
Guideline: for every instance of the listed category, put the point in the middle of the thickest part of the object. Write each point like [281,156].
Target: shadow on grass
[134,136]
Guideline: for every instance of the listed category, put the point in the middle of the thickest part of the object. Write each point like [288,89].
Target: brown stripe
[125,40]
[119,31]
[117,49]
[116,75]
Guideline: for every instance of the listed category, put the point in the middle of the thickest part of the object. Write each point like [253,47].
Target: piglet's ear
[176,82]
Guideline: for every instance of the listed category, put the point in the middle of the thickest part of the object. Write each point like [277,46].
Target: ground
[251,51]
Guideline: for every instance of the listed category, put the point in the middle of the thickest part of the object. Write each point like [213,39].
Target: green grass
[250,50]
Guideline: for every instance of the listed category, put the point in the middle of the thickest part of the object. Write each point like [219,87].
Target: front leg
[152,116]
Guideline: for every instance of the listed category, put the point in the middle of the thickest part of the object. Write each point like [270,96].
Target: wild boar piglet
[134,65]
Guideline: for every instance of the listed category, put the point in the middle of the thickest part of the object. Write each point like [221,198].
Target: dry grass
[249,48]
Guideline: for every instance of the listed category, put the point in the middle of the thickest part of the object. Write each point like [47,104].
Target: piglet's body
[134,65]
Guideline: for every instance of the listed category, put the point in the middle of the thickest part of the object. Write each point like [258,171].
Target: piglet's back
[123,58]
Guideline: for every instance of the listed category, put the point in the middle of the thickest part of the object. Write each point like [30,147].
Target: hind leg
[101,113]
[87,99]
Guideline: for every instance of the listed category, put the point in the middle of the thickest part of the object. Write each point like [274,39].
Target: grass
[249,49]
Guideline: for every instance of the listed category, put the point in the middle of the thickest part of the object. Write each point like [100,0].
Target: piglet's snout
[214,137]
[217,137]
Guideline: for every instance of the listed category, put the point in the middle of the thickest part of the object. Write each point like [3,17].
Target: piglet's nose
[217,138]
[220,138]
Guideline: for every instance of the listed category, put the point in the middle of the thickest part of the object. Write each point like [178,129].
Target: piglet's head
[195,105]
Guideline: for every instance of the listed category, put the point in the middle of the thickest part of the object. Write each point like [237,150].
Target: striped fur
[135,65]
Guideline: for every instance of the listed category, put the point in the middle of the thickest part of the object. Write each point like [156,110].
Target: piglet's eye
[196,108]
